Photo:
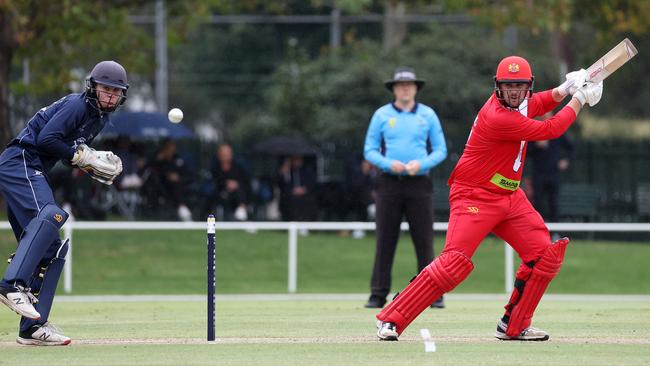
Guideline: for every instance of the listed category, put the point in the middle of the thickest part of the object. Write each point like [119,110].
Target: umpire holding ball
[58,132]
[404,141]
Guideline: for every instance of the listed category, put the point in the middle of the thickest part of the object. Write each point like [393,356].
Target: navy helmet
[108,73]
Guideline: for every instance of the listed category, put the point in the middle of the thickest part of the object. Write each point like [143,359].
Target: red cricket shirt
[495,152]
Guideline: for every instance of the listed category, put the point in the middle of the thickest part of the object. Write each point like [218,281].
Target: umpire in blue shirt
[404,140]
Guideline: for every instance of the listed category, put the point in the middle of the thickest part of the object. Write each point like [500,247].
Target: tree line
[253,80]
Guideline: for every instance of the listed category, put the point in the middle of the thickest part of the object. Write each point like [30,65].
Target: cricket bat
[611,61]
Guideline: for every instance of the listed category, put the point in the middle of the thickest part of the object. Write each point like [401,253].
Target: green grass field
[332,333]
[302,332]
[174,262]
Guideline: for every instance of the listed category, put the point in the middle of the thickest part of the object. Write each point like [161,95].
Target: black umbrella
[285,145]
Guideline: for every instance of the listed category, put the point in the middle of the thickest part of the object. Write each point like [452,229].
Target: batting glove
[590,93]
[574,80]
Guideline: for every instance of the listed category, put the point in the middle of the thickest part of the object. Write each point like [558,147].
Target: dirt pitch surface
[321,340]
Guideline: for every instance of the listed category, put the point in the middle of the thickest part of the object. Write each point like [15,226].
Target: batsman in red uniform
[485,197]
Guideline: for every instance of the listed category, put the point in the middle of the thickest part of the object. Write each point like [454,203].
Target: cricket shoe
[386,331]
[20,300]
[528,334]
[43,335]
[438,304]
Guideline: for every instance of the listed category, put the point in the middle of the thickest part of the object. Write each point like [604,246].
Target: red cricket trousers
[475,212]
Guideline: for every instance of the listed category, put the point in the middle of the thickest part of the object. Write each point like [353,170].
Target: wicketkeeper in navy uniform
[61,131]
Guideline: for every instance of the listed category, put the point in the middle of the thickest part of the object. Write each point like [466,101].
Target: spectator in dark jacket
[549,158]
[232,184]
[361,181]
[167,179]
[297,183]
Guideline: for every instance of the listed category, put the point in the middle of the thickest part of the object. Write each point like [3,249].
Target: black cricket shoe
[375,302]
[438,304]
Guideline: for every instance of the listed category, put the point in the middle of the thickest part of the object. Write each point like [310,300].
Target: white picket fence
[293,228]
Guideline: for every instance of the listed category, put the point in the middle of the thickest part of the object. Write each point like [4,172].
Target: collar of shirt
[413,110]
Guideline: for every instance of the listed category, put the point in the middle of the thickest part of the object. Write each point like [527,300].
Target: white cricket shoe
[43,335]
[386,331]
[528,334]
[20,300]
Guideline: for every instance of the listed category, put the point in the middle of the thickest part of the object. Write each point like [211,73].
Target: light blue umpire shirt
[400,135]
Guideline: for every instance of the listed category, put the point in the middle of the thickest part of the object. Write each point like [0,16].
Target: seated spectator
[78,195]
[166,179]
[361,179]
[233,185]
[297,183]
[133,164]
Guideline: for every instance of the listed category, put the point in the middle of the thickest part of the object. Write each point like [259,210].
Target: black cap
[404,74]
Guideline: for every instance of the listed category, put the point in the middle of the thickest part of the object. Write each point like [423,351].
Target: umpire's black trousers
[398,196]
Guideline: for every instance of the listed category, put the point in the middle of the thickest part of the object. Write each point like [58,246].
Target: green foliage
[219,70]
[614,17]
[349,6]
[58,37]
[608,17]
[249,82]
[293,98]
[342,88]
[327,98]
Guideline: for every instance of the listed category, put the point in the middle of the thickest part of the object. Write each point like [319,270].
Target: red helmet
[514,69]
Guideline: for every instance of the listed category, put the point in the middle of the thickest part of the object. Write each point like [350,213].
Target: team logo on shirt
[38,173]
[513,67]
[58,218]
[504,183]
[473,210]
[392,121]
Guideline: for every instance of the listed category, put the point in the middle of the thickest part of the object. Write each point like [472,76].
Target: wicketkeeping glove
[103,166]
[574,80]
[590,93]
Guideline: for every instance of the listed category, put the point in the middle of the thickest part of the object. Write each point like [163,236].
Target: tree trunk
[7,44]
[395,29]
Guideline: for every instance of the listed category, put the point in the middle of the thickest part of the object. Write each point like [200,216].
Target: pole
[161,57]
[212,278]
[67,266]
[293,258]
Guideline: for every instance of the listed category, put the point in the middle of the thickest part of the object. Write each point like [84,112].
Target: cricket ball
[175,115]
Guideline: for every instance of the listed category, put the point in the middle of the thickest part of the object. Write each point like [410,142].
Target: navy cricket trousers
[24,187]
